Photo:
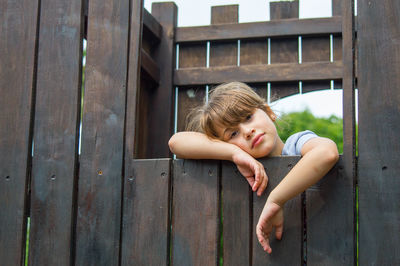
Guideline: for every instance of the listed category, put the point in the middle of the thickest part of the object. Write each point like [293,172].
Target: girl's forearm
[195,145]
[311,168]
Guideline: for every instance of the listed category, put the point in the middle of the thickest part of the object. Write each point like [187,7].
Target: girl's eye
[233,134]
[248,117]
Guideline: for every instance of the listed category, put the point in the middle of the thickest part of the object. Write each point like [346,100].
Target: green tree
[331,127]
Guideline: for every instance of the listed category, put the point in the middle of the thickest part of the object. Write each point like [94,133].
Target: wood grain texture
[224,53]
[101,159]
[192,55]
[54,166]
[259,73]
[162,100]
[145,221]
[236,213]
[253,52]
[195,212]
[188,99]
[254,30]
[287,251]
[280,90]
[379,125]
[330,219]
[18,31]
[284,10]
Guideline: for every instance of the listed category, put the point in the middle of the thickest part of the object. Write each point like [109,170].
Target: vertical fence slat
[329,214]
[55,132]
[235,196]
[101,160]
[161,105]
[18,28]
[287,251]
[224,53]
[188,99]
[195,212]
[145,218]
[379,127]
[284,50]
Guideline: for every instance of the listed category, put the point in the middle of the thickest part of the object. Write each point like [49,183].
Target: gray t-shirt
[296,141]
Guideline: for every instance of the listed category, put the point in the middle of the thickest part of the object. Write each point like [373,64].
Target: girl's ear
[270,113]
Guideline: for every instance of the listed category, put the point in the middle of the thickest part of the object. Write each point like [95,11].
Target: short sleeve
[295,143]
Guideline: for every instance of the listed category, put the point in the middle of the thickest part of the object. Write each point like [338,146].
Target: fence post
[379,127]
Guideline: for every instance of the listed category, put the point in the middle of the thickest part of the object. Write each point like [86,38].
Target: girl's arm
[195,145]
[319,155]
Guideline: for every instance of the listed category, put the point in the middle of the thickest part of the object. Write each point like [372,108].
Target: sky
[198,12]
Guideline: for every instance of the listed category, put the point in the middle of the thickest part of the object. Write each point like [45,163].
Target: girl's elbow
[331,153]
[172,144]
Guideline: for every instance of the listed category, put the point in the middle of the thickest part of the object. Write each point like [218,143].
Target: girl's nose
[248,132]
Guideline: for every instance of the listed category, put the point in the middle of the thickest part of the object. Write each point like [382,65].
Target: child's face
[257,135]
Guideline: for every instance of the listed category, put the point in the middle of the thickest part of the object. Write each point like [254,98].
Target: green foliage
[331,127]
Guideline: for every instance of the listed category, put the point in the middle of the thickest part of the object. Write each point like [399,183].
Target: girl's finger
[257,178]
[263,184]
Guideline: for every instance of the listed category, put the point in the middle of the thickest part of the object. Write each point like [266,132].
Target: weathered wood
[330,223]
[145,221]
[188,99]
[280,90]
[192,55]
[18,29]
[349,122]
[287,251]
[236,213]
[151,27]
[150,67]
[254,30]
[101,159]
[224,53]
[315,49]
[284,10]
[253,52]
[224,14]
[55,160]
[337,7]
[161,104]
[195,213]
[259,73]
[379,127]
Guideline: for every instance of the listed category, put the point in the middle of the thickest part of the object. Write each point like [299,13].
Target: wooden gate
[86,177]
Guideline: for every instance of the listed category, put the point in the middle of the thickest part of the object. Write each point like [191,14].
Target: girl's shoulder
[296,141]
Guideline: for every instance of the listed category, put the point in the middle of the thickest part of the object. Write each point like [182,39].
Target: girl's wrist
[274,198]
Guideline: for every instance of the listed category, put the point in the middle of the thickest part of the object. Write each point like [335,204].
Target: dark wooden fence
[76,161]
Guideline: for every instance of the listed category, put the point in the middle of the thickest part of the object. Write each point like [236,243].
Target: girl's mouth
[257,140]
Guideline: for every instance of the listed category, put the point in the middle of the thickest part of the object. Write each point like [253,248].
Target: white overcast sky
[198,12]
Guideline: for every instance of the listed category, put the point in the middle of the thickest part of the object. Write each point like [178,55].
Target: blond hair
[229,104]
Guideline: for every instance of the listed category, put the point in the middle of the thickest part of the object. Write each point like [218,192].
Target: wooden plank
[254,30]
[224,53]
[329,214]
[134,80]
[259,73]
[315,49]
[253,52]
[150,67]
[224,14]
[145,221]
[349,120]
[287,251]
[151,27]
[337,7]
[192,55]
[188,99]
[101,159]
[195,212]
[18,28]
[236,213]
[379,125]
[55,160]
[280,90]
[161,123]
[284,10]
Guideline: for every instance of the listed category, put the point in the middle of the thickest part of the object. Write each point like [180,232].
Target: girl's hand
[271,216]
[252,170]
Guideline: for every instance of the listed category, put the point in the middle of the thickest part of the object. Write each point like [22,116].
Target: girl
[237,125]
